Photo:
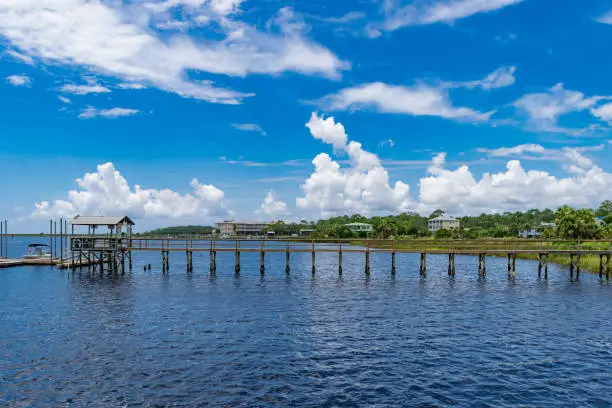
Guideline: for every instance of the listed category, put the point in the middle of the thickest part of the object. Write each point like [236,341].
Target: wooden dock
[95,251]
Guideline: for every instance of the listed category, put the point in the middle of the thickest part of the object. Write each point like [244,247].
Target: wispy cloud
[21,57]
[130,85]
[500,78]
[84,89]
[64,99]
[279,179]
[417,100]
[91,112]
[249,127]
[432,12]
[606,18]
[19,80]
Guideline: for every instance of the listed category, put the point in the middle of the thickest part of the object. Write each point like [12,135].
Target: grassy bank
[588,263]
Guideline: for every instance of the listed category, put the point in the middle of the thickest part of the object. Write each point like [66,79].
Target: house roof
[444,218]
[358,224]
[101,220]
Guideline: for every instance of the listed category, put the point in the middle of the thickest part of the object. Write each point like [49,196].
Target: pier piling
[393,262]
[237,267]
[367,261]
[340,260]
[313,258]
[451,264]
[482,265]
[423,267]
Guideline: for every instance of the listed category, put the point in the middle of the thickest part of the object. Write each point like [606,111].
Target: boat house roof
[101,220]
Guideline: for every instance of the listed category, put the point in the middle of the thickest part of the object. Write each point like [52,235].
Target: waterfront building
[532,233]
[443,222]
[232,228]
[360,227]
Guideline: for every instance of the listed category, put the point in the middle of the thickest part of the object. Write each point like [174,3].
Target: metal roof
[79,220]
[443,218]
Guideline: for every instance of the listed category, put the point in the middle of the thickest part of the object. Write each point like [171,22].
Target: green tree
[436,213]
[576,224]
[605,209]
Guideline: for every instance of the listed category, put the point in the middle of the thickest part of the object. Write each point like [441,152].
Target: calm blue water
[181,340]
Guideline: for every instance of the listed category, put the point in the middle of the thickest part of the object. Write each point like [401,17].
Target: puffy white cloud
[418,100]
[272,206]
[113,113]
[115,39]
[107,192]
[249,127]
[544,109]
[362,187]
[459,192]
[84,89]
[431,12]
[328,131]
[19,80]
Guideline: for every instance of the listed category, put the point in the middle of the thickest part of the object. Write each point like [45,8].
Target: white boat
[38,251]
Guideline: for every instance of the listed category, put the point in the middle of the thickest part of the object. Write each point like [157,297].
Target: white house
[360,227]
[241,228]
[443,222]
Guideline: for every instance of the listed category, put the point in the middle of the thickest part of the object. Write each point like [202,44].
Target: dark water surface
[143,339]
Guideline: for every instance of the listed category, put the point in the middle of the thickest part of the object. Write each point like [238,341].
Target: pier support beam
[287,261]
[393,269]
[367,261]
[574,265]
[262,262]
[543,264]
[451,264]
[213,261]
[189,255]
[482,265]
[604,266]
[314,258]
[340,260]
[512,264]
[423,268]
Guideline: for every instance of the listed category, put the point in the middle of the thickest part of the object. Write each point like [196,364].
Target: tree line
[564,223]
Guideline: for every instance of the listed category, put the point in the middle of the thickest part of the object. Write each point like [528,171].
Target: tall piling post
[393,266]
[540,264]
[340,259]
[423,267]
[2,239]
[367,261]
[572,265]
[451,264]
[482,265]
[313,258]
[262,259]
[288,259]
[237,257]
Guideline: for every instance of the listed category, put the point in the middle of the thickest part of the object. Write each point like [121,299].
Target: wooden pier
[113,252]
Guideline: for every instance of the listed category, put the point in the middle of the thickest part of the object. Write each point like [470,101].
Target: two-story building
[442,222]
[228,229]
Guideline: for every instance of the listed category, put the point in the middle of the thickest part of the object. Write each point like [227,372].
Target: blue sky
[467,105]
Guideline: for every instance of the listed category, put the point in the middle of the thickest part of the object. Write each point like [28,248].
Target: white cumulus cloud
[107,192]
[84,89]
[460,192]
[272,206]
[363,186]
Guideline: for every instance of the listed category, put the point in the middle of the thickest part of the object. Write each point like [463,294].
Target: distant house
[360,227]
[306,232]
[443,222]
[532,233]
[549,225]
[241,228]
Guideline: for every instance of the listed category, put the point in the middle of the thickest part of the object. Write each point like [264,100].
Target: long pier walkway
[114,251]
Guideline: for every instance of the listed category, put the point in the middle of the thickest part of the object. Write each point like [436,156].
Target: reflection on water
[147,339]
